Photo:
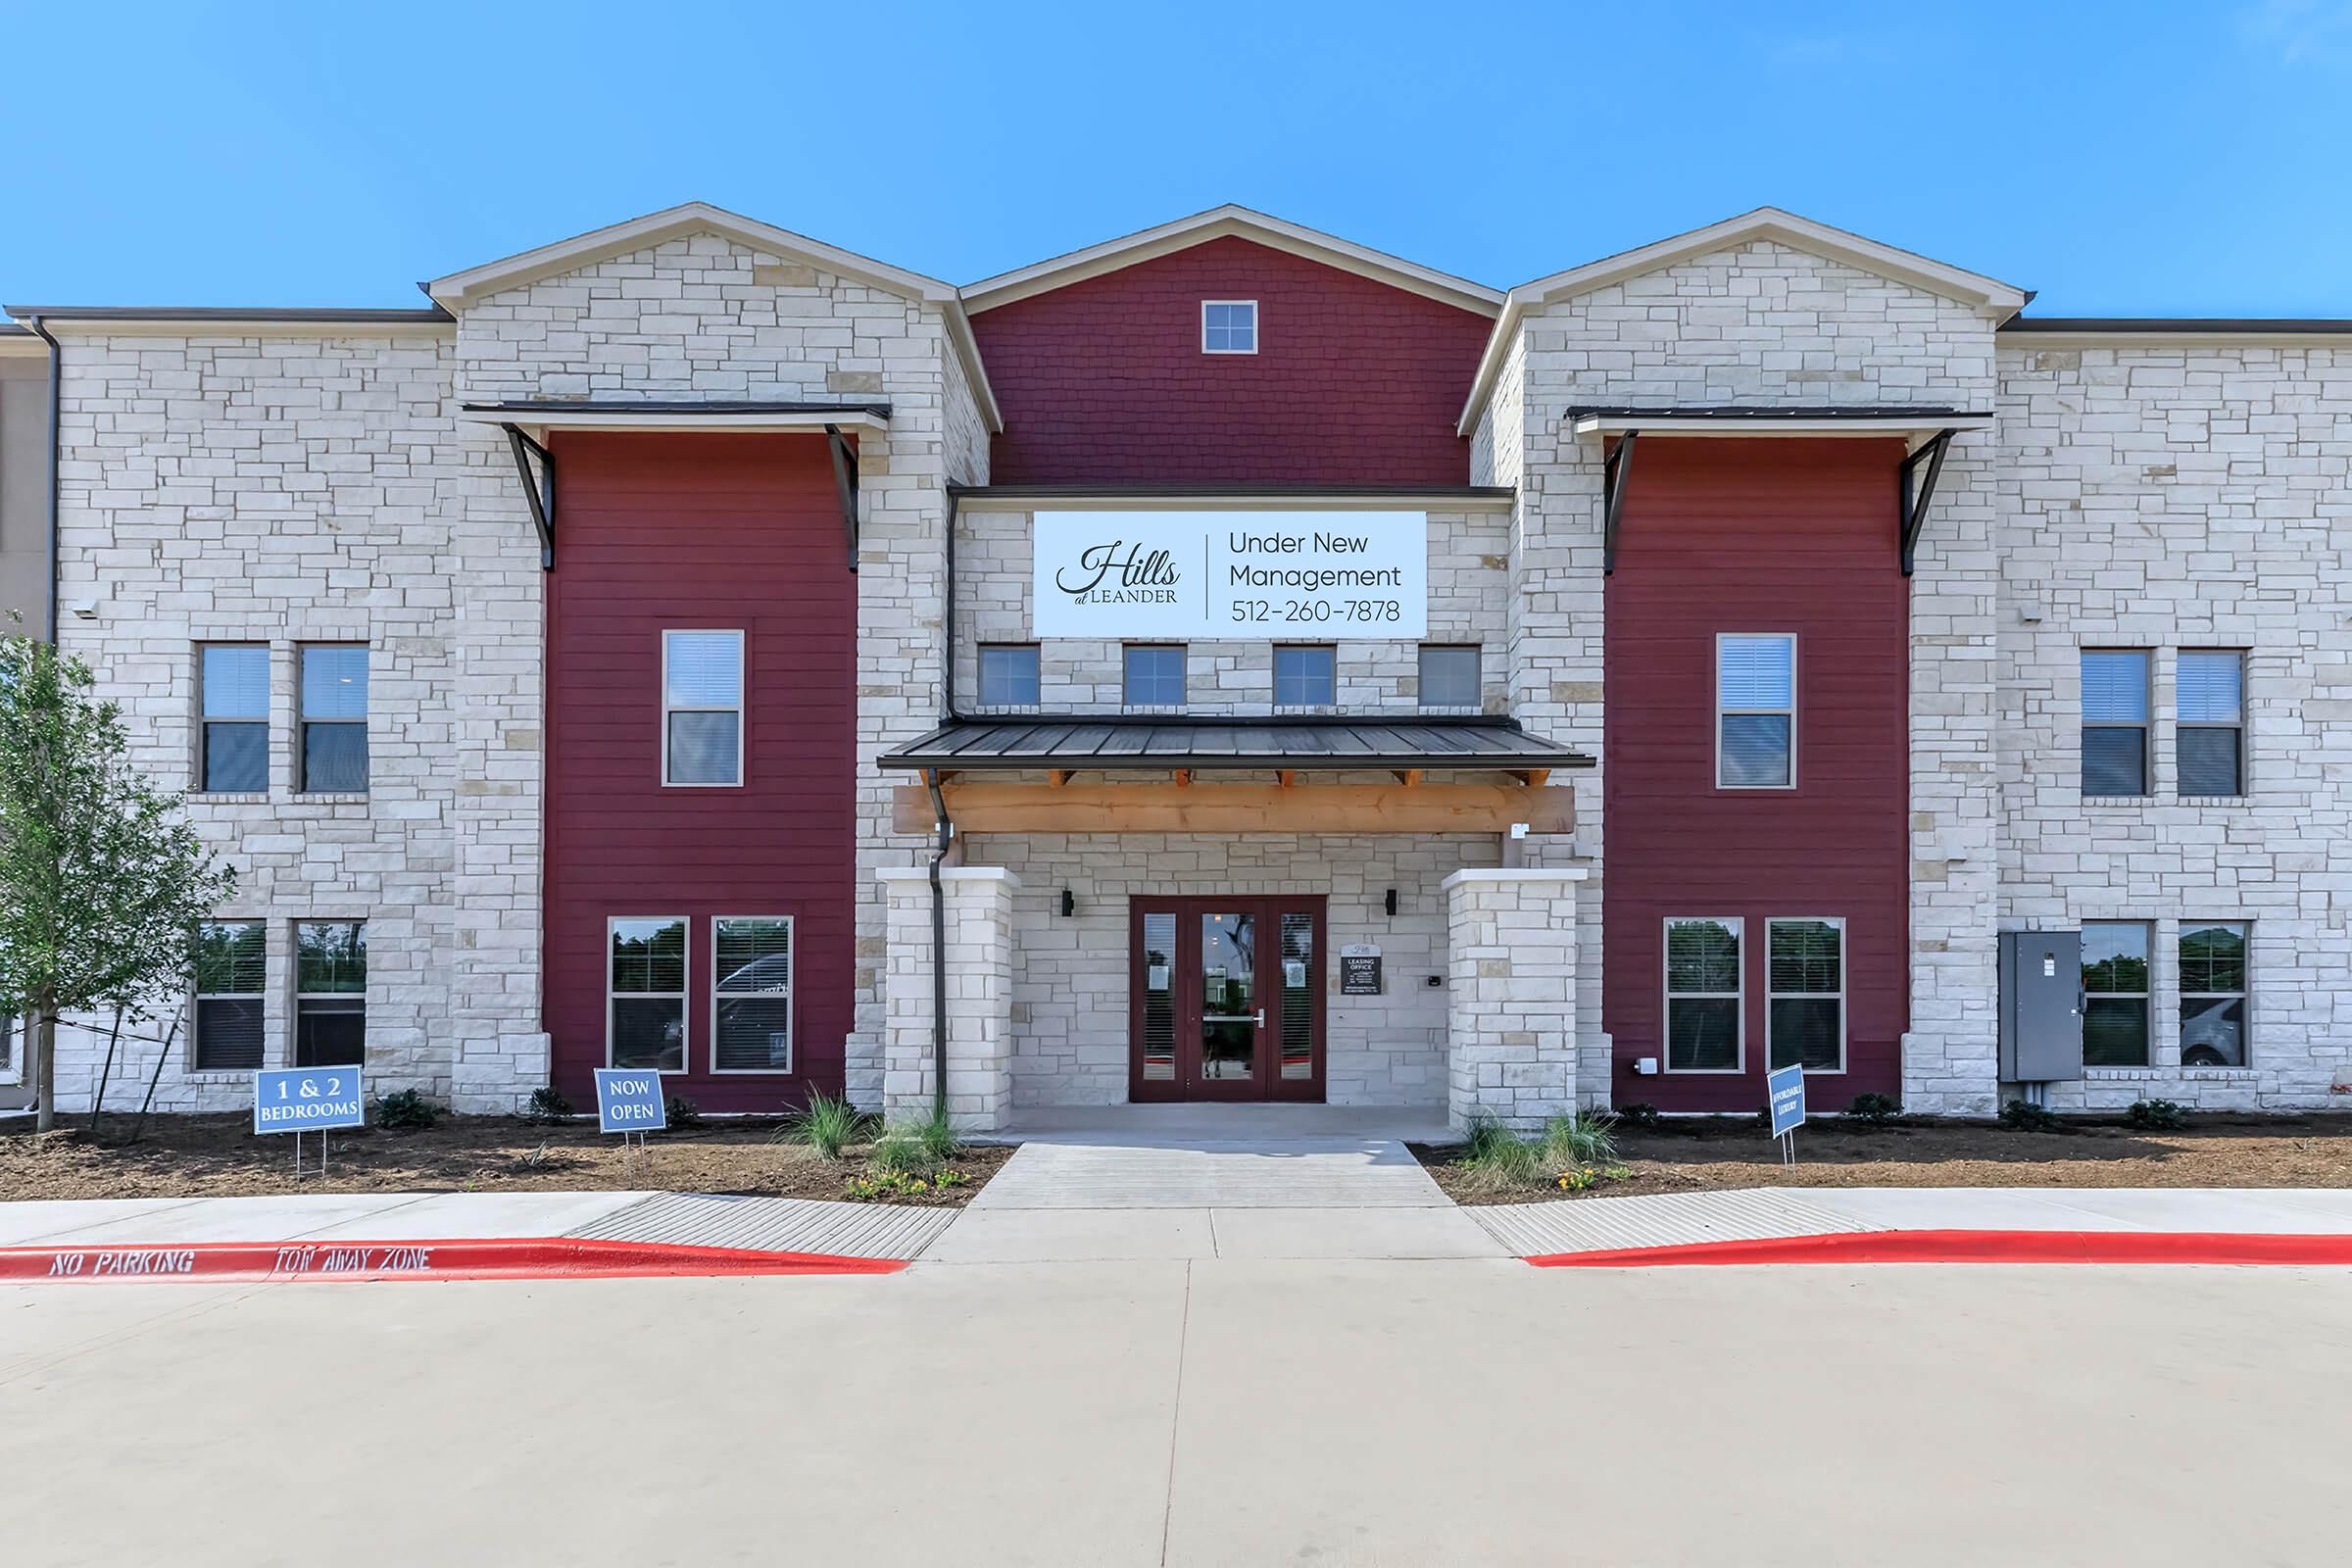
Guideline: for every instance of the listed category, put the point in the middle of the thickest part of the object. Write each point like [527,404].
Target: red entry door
[1227,998]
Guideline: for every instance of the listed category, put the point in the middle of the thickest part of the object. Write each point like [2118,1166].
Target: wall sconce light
[1069,904]
[1392,904]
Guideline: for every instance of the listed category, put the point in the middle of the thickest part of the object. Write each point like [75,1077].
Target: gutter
[57,407]
[939,949]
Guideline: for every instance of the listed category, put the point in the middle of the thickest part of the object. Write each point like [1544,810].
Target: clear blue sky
[2121,158]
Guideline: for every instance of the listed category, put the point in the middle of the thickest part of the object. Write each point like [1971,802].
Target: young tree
[102,881]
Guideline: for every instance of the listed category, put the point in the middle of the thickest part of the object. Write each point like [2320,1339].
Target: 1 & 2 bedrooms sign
[1123,576]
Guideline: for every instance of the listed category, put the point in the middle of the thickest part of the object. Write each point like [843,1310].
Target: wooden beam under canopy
[980,806]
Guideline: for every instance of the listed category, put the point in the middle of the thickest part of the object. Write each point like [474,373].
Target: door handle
[1261,1017]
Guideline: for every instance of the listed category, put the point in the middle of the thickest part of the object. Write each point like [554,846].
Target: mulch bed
[1711,1154]
[219,1156]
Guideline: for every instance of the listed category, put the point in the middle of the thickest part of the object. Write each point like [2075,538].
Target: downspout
[57,409]
[945,828]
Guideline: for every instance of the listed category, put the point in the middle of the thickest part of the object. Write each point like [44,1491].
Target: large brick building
[1340,681]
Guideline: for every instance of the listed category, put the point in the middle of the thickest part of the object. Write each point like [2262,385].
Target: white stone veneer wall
[1511,1005]
[1070,982]
[978,904]
[2170,497]
[318,489]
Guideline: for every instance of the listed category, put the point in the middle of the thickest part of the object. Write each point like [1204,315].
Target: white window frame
[302,720]
[2146,727]
[2183,996]
[684,993]
[1668,993]
[743,687]
[201,783]
[1254,324]
[791,997]
[1716,718]
[1837,923]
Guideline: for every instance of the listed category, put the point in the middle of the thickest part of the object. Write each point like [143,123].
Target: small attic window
[1229,326]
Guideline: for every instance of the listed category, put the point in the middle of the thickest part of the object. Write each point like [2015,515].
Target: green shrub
[2156,1115]
[1640,1116]
[405,1111]
[1588,1137]
[547,1104]
[826,1125]
[1874,1110]
[2026,1116]
[677,1112]
[937,1136]
[901,1151]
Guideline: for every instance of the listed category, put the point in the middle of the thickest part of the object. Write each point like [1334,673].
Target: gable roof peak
[458,289]
[1229,218]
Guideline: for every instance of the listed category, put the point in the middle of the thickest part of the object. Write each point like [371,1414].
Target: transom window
[231,965]
[335,724]
[646,1004]
[1755,710]
[1451,675]
[2211,742]
[2213,994]
[2114,985]
[1008,675]
[1703,997]
[1154,674]
[234,680]
[702,710]
[1306,676]
[751,1030]
[330,992]
[1229,326]
[2115,722]
[1805,994]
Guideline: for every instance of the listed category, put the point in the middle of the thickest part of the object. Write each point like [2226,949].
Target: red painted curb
[534,1258]
[1978,1246]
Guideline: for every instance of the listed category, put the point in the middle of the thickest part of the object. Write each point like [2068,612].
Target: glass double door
[1227,998]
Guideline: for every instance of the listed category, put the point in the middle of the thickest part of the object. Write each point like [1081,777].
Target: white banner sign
[1283,575]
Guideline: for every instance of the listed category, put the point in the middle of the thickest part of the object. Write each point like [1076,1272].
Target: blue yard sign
[628,1099]
[1786,1087]
[308,1100]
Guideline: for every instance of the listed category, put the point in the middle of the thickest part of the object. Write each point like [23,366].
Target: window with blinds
[1755,711]
[330,992]
[334,721]
[1159,998]
[231,963]
[233,698]
[1450,676]
[701,708]
[2211,739]
[2115,985]
[2115,722]
[1298,991]
[1805,994]
[645,1020]
[752,1014]
[2213,994]
[1703,997]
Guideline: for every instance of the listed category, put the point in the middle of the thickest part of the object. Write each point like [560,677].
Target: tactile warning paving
[1669,1219]
[775,1225]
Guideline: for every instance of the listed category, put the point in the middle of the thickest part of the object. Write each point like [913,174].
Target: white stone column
[979,953]
[1510,1003]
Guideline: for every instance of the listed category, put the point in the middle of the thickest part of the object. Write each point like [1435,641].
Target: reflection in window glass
[2213,994]
[646,1021]
[2115,985]
[1702,996]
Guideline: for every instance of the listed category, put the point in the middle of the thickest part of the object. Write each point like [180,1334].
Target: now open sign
[628,1099]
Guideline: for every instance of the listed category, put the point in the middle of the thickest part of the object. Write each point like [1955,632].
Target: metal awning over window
[1124,742]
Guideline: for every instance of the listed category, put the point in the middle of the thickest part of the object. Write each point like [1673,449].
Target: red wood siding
[1354,382]
[700,531]
[1758,536]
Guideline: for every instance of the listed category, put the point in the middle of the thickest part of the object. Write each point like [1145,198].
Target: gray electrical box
[2041,1006]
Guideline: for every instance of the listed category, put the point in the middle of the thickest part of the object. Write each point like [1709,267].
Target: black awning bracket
[1615,468]
[1915,498]
[845,482]
[538,488]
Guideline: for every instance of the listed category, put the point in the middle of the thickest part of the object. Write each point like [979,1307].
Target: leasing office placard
[1128,576]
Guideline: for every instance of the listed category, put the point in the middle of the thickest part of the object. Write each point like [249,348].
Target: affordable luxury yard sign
[1125,575]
